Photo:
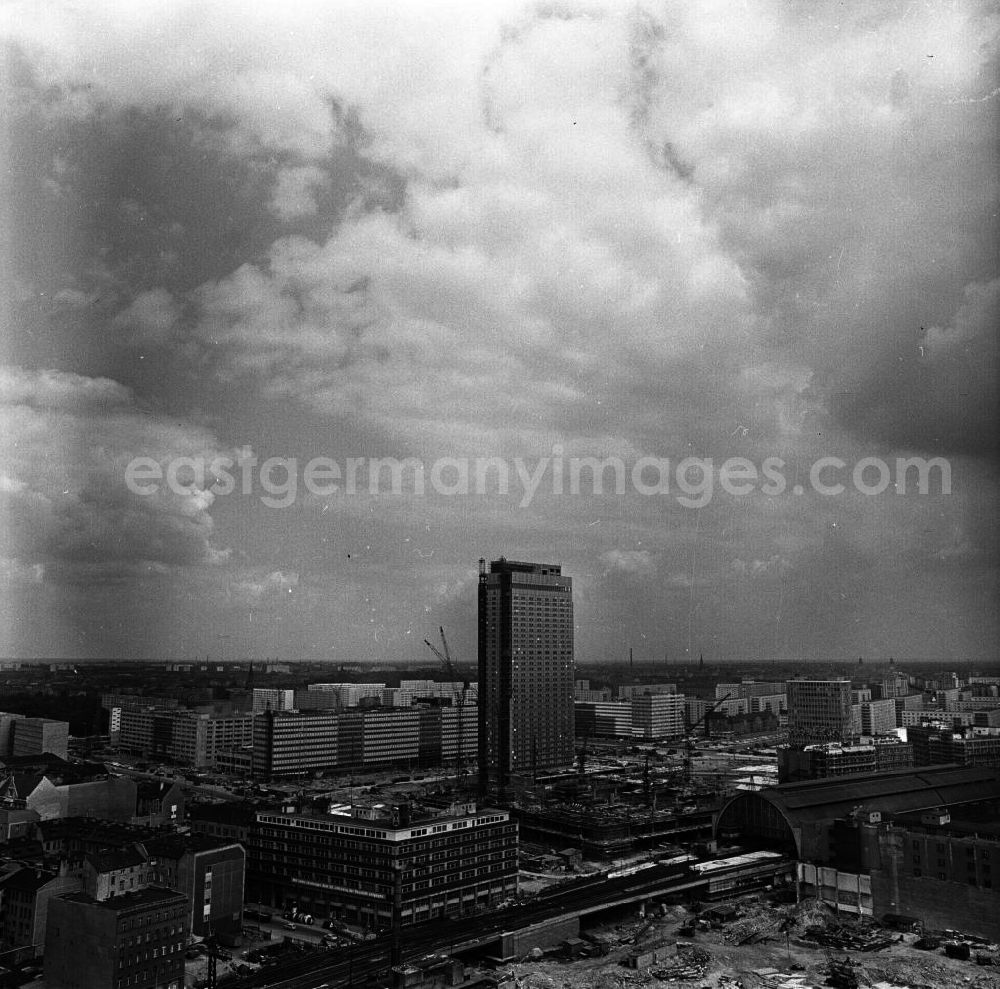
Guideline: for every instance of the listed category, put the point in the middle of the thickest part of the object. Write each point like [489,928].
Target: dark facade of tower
[526,671]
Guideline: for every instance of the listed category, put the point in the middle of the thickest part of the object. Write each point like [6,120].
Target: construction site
[756,942]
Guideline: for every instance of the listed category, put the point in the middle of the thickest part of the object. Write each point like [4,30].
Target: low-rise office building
[362,865]
[939,743]
[869,755]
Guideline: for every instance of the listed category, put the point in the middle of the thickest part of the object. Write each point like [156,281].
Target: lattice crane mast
[444,656]
[689,736]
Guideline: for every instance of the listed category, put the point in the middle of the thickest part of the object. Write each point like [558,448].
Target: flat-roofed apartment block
[749,688]
[288,743]
[526,671]
[33,736]
[775,703]
[627,691]
[356,863]
[272,699]
[819,711]
[658,715]
[187,737]
[877,717]
[295,743]
[603,718]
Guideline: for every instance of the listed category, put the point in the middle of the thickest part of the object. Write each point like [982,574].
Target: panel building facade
[526,671]
[819,711]
[296,743]
[188,737]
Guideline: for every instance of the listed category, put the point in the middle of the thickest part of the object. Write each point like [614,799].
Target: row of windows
[125,961]
[147,920]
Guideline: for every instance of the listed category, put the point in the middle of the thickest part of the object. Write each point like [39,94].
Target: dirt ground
[900,965]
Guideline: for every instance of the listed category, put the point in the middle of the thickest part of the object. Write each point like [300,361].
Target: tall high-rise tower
[526,671]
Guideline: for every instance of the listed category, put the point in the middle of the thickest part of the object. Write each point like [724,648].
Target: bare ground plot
[773,963]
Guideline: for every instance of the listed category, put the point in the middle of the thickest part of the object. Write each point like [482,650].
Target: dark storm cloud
[941,394]
[679,229]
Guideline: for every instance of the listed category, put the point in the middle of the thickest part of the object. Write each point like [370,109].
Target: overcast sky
[460,230]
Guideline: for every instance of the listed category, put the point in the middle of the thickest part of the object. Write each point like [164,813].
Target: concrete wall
[846,892]
[77,931]
[516,944]
[939,904]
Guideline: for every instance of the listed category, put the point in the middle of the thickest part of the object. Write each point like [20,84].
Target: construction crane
[689,736]
[459,697]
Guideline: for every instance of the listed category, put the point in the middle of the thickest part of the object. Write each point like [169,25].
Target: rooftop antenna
[631,665]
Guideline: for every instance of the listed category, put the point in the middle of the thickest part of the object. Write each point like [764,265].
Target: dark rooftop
[175,845]
[27,879]
[113,859]
[943,785]
[150,896]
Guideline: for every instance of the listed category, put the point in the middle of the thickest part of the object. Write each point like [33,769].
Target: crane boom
[689,736]
[459,697]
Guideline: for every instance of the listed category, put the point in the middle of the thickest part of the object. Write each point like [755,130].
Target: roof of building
[958,823]
[891,791]
[147,789]
[103,833]
[231,812]
[115,859]
[149,896]
[26,879]
[175,845]
[43,760]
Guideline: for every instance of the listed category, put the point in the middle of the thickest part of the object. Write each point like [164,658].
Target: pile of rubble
[841,974]
[751,929]
[689,965]
[772,978]
[848,938]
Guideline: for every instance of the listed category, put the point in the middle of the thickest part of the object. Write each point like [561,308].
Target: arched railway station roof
[799,814]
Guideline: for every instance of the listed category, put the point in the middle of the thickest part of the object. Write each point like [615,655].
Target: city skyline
[504,239]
